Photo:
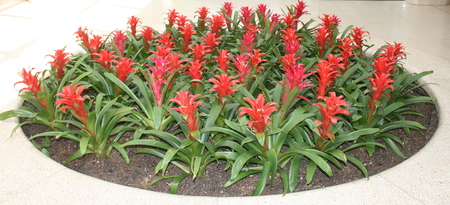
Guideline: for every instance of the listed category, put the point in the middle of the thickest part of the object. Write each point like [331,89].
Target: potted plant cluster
[259,91]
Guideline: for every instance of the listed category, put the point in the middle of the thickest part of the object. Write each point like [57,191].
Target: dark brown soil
[140,172]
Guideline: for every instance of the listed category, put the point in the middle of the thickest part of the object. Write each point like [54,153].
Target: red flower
[83,36]
[227,11]
[333,108]
[187,108]
[246,15]
[346,50]
[274,22]
[94,43]
[255,58]
[166,40]
[158,76]
[202,15]
[172,16]
[31,81]
[243,66]
[259,112]
[182,21]
[211,41]
[187,31]
[124,68]
[195,71]
[199,50]
[262,9]
[290,21]
[133,21]
[147,34]
[222,85]
[322,35]
[299,9]
[105,58]
[330,22]
[222,59]
[120,39]
[216,24]
[381,81]
[393,52]
[334,62]
[325,75]
[357,35]
[71,96]
[294,75]
[383,65]
[291,41]
[59,63]
[162,51]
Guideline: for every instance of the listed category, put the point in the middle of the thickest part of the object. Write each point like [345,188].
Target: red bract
[325,76]
[330,22]
[259,112]
[105,58]
[379,83]
[158,76]
[82,35]
[71,97]
[94,43]
[383,65]
[199,50]
[247,43]
[274,22]
[223,84]
[357,35]
[322,35]
[59,62]
[334,62]
[246,15]
[162,50]
[182,21]
[243,66]
[222,59]
[329,112]
[166,40]
[211,41]
[346,50]
[227,11]
[31,81]
[172,17]
[294,75]
[291,41]
[187,108]
[262,9]
[120,39]
[147,34]
[216,24]
[393,52]
[255,58]
[195,71]
[202,15]
[123,68]
[187,31]
[299,9]
[290,21]
[132,22]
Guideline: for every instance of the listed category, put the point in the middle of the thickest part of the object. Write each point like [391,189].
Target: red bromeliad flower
[393,52]
[120,39]
[334,62]
[211,41]
[31,81]
[166,40]
[227,11]
[246,15]
[202,15]
[71,96]
[133,22]
[172,17]
[216,24]
[248,42]
[291,41]
[187,108]
[182,21]
[330,23]
[195,71]
[260,113]
[158,76]
[222,59]
[94,43]
[255,58]
[263,11]
[383,65]
[294,75]
[222,85]
[83,36]
[357,35]
[187,31]
[346,50]
[243,66]
[147,34]
[299,9]
[333,108]
[381,81]
[274,22]
[124,68]
[162,51]
[290,21]
[59,62]
[322,35]
[325,76]
[199,50]
[105,58]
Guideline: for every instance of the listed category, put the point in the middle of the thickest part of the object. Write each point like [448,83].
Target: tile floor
[30,31]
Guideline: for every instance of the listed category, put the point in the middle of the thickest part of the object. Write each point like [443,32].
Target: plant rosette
[256,90]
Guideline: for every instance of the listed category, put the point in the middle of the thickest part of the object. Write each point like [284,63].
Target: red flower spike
[59,62]
[246,15]
[227,10]
[380,83]
[182,21]
[124,68]
[383,65]
[259,112]
[187,108]
[255,58]
[325,75]
[172,17]
[94,43]
[31,81]
[147,34]
[243,66]
[274,22]
[393,52]
[290,21]
[329,112]
[222,59]
[71,97]
[202,15]
[120,39]
[162,51]
[329,22]
[291,41]
[211,41]
[199,50]
[194,70]
[82,35]
[105,58]
[294,75]
[346,50]
[166,40]
[334,62]
[299,9]
[187,31]
[322,35]
[223,84]
[158,76]
[133,22]
[357,35]
[262,9]
[216,24]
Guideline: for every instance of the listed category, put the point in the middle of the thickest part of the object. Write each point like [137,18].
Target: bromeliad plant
[259,91]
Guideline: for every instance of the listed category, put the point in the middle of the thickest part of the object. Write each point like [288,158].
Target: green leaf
[293,172]
[240,162]
[358,164]
[310,171]
[175,183]
[262,179]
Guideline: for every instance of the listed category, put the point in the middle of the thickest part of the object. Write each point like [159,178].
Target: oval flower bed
[260,93]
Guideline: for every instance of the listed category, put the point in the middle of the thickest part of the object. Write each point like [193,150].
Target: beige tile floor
[29,31]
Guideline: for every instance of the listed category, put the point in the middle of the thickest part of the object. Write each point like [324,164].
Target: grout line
[402,189]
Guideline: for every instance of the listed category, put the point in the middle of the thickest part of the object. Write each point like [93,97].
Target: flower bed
[262,92]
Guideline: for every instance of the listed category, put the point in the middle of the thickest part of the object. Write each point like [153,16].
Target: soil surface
[140,172]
